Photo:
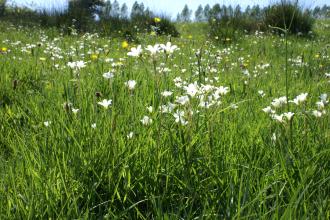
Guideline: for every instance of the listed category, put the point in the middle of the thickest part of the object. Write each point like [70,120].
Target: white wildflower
[150,109]
[130,135]
[268,110]
[261,93]
[182,100]
[130,84]
[47,123]
[288,115]
[317,114]
[166,93]
[108,75]
[135,52]
[324,98]
[105,103]
[153,49]
[300,98]
[279,102]
[169,48]
[77,65]
[146,120]
[75,110]
[192,89]
[179,117]
[278,118]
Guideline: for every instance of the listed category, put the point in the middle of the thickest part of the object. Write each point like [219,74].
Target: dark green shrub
[54,18]
[163,27]
[83,12]
[2,7]
[228,24]
[288,15]
[117,27]
[224,32]
[129,36]
[160,25]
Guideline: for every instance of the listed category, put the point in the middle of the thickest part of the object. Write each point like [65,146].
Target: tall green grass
[230,161]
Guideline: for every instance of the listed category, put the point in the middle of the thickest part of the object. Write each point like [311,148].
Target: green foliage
[288,15]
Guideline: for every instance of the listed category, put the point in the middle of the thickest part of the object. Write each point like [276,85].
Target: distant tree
[124,11]
[141,9]
[2,7]
[316,12]
[137,10]
[215,12]
[199,15]
[178,17]
[248,11]
[230,11]
[325,11]
[238,11]
[115,9]
[223,10]
[224,13]
[106,10]
[256,12]
[90,6]
[84,11]
[147,12]
[186,14]
[206,12]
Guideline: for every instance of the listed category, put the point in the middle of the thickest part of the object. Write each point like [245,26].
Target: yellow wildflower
[124,44]
[94,56]
[157,20]
[3,49]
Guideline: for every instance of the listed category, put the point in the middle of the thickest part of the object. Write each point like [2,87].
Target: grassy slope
[223,164]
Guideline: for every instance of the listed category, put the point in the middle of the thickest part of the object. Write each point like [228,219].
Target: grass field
[201,131]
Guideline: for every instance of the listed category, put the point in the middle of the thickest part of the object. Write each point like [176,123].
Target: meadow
[96,127]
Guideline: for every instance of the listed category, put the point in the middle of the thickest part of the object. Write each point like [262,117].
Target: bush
[163,27]
[227,25]
[160,25]
[224,32]
[288,15]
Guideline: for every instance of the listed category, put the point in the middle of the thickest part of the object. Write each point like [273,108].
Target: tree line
[204,13]
[110,18]
[105,17]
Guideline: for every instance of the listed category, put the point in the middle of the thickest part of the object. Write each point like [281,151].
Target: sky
[169,7]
